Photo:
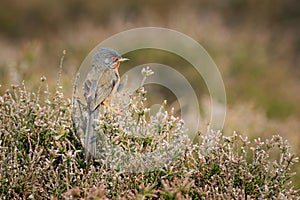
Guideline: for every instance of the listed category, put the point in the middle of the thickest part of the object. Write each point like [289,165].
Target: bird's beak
[123,59]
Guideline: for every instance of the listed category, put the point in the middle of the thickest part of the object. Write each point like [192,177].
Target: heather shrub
[140,156]
[39,154]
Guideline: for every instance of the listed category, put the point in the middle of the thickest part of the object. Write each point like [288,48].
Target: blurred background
[255,44]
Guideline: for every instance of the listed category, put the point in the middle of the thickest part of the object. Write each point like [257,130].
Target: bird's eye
[114,59]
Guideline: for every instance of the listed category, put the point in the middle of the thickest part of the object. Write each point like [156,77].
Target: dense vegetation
[254,44]
[42,157]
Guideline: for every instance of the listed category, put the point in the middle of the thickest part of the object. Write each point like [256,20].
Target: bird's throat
[116,66]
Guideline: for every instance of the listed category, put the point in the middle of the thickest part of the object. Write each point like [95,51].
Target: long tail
[90,140]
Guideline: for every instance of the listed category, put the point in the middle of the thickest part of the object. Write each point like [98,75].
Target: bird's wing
[98,86]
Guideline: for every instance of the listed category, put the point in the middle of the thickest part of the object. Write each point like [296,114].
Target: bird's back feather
[98,86]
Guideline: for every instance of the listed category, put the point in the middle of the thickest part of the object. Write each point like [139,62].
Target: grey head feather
[103,57]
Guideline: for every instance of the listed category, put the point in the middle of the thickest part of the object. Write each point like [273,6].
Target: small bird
[101,83]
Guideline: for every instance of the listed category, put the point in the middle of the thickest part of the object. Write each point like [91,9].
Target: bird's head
[107,57]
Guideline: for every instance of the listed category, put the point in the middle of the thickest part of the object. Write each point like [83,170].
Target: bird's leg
[109,98]
[109,107]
